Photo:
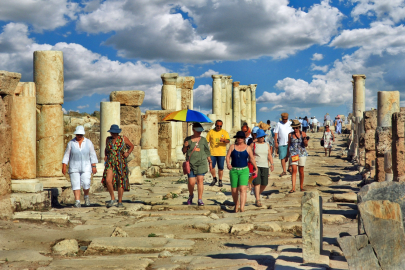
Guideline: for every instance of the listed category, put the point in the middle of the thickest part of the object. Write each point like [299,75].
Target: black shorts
[262,177]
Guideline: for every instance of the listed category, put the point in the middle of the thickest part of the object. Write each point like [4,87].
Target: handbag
[186,164]
[250,164]
[295,158]
[323,141]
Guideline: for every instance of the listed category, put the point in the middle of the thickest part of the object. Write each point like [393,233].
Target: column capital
[230,81]
[169,78]
[357,76]
[216,77]
[242,87]
[236,84]
[253,87]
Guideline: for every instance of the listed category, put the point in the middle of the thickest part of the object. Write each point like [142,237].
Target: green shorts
[239,177]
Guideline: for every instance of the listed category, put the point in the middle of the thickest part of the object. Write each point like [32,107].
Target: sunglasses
[218,126]
[296,128]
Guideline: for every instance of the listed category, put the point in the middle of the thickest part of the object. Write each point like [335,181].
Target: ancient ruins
[351,198]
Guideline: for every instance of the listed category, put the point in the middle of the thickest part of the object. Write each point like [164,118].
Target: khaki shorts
[300,162]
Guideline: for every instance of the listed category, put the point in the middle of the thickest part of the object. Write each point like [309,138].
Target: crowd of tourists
[249,159]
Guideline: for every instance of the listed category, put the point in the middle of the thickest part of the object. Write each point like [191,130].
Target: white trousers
[80,180]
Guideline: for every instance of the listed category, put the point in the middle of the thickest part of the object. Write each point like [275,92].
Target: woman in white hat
[82,160]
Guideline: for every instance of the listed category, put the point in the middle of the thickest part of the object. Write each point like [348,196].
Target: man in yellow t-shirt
[218,138]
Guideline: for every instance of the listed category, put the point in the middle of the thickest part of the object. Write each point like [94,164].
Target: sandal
[282,174]
[258,203]
[291,191]
[303,189]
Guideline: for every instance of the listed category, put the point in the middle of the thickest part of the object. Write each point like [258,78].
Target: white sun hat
[79,130]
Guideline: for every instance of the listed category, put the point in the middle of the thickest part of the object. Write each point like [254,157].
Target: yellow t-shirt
[217,148]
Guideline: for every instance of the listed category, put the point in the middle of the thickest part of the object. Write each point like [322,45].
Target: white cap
[79,130]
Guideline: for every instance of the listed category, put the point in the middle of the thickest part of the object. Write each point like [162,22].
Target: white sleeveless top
[261,155]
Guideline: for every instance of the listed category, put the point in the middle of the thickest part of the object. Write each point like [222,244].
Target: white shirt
[283,130]
[315,121]
[80,158]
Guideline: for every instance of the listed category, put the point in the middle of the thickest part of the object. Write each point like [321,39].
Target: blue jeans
[220,160]
[192,175]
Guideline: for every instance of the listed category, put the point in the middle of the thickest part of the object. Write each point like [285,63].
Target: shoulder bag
[295,158]
[250,164]
[186,164]
[323,137]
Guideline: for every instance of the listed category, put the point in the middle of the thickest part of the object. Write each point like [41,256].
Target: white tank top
[261,155]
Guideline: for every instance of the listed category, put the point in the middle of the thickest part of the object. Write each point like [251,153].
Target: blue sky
[300,53]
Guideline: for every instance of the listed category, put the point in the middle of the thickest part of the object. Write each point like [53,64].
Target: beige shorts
[300,162]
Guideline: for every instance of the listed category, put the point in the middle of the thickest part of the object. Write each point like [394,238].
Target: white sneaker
[77,205]
[87,201]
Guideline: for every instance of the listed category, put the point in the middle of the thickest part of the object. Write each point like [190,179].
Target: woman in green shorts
[238,169]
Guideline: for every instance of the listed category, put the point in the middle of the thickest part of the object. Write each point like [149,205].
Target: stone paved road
[162,232]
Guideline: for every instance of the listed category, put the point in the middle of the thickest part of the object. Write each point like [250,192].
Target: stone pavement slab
[138,245]
[23,256]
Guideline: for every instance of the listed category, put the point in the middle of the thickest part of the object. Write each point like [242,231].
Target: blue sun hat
[115,129]
[260,133]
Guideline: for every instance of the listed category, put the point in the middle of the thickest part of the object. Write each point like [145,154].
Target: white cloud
[317,57]
[381,56]
[85,72]
[274,108]
[392,9]
[151,30]
[320,68]
[203,98]
[41,14]
[64,111]
[208,74]
[82,107]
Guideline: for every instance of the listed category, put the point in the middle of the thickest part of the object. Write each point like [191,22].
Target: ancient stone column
[370,125]
[217,95]
[187,101]
[179,125]
[228,108]
[359,95]
[249,105]
[169,102]
[311,204]
[224,82]
[8,83]
[243,114]
[388,103]
[236,106]
[24,130]
[149,140]
[398,146]
[49,83]
[109,115]
[253,89]
[169,93]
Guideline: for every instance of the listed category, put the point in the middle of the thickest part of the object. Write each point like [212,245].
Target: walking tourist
[197,153]
[300,120]
[328,138]
[238,169]
[314,124]
[82,160]
[338,125]
[305,124]
[248,134]
[270,137]
[217,138]
[281,131]
[115,176]
[326,120]
[253,134]
[264,160]
[297,141]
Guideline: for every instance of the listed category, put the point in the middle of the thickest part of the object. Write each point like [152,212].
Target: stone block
[49,156]
[398,159]
[54,217]
[137,157]
[66,247]
[369,140]
[135,175]
[31,201]
[383,139]
[391,191]
[220,228]
[133,133]
[370,157]
[130,115]
[128,98]
[345,197]
[384,218]
[398,125]
[26,186]
[311,226]
[49,121]
[160,113]
[8,82]
[379,169]
[240,228]
[165,142]
[370,120]
[358,252]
